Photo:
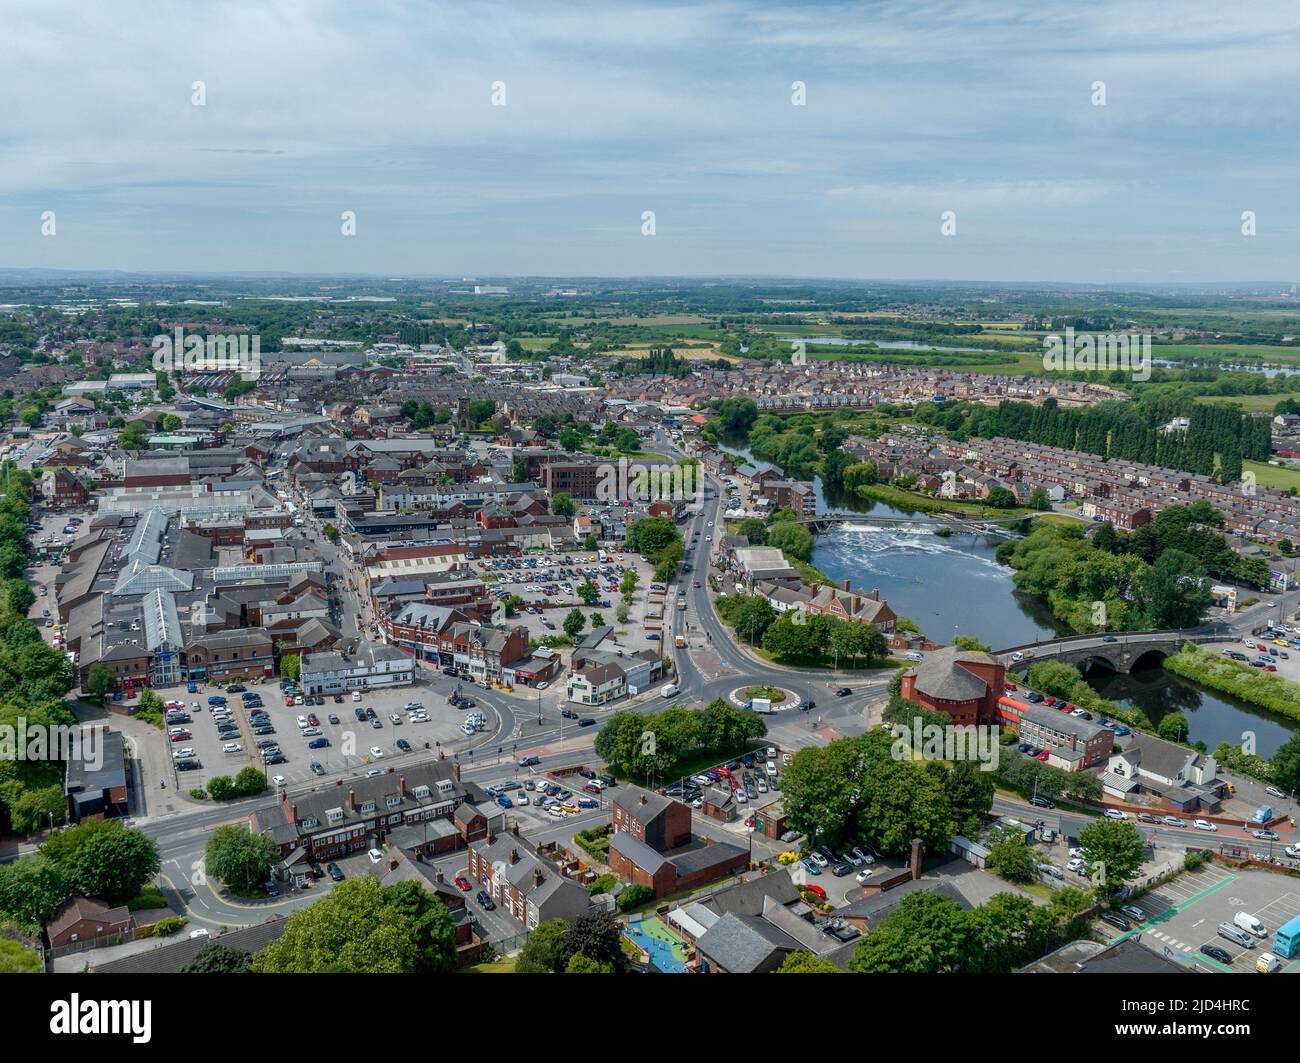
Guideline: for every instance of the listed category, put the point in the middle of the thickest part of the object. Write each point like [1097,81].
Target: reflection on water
[1212,717]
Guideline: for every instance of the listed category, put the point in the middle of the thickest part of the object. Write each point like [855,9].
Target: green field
[1253,403]
[1273,475]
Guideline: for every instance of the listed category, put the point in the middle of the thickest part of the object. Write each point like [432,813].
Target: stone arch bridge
[1120,652]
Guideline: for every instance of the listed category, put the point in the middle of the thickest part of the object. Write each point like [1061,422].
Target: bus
[1286,942]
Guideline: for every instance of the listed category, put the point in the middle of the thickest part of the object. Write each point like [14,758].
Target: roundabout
[788,699]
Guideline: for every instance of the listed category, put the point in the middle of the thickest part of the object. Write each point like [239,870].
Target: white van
[1234,933]
[1250,924]
[1267,963]
[670,691]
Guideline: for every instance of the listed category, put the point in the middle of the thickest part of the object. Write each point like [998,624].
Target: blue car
[318,743]
[216,699]
[588,802]
[505,802]
[1121,731]
[193,688]
[812,868]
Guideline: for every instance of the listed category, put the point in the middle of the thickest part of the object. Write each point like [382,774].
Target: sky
[985,109]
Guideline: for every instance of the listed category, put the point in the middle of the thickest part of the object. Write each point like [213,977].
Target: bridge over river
[1119,652]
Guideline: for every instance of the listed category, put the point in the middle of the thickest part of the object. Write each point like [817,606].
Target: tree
[801,962]
[970,795]
[588,592]
[1001,498]
[1175,593]
[104,859]
[1009,856]
[562,505]
[291,667]
[1038,499]
[574,623]
[1114,851]
[240,858]
[627,585]
[1286,765]
[331,533]
[544,952]
[597,935]
[1006,932]
[432,925]
[100,682]
[754,530]
[925,934]
[216,958]
[580,964]
[351,930]
[1173,727]
[622,612]
[793,540]
[633,896]
[33,888]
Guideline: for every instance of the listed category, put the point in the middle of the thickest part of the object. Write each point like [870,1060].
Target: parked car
[1216,953]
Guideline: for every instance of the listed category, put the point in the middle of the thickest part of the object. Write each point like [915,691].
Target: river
[954,586]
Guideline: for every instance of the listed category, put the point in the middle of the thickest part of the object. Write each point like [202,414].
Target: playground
[667,951]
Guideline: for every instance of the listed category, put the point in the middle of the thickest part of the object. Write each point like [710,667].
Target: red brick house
[83,920]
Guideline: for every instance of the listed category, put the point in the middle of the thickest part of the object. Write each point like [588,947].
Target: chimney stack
[401,785]
[437,875]
[537,876]
[514,856]
[352,799]
[848,585]
[293,812]
[457,771]
[643,799]
[875,594]
[392,865]
[514,828]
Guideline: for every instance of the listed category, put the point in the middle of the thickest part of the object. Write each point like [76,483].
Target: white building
[370,665]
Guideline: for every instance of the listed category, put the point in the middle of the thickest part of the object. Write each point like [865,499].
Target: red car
[1043,755]
[696,583]
[311,719]
[1010,686]
[463,883]
[288,703]
[181,736]
[816,891]
[1051,701]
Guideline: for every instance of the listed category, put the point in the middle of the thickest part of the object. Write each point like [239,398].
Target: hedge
[1268,690]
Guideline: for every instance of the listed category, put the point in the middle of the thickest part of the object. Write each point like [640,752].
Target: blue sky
[980,108]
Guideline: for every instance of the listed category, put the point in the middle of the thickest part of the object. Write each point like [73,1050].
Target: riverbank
[906,500]
[1267,690]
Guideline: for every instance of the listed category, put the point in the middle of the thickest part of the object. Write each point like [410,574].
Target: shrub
[634,896]
[170,925]
[146,898]
[199,794]
[604,884]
